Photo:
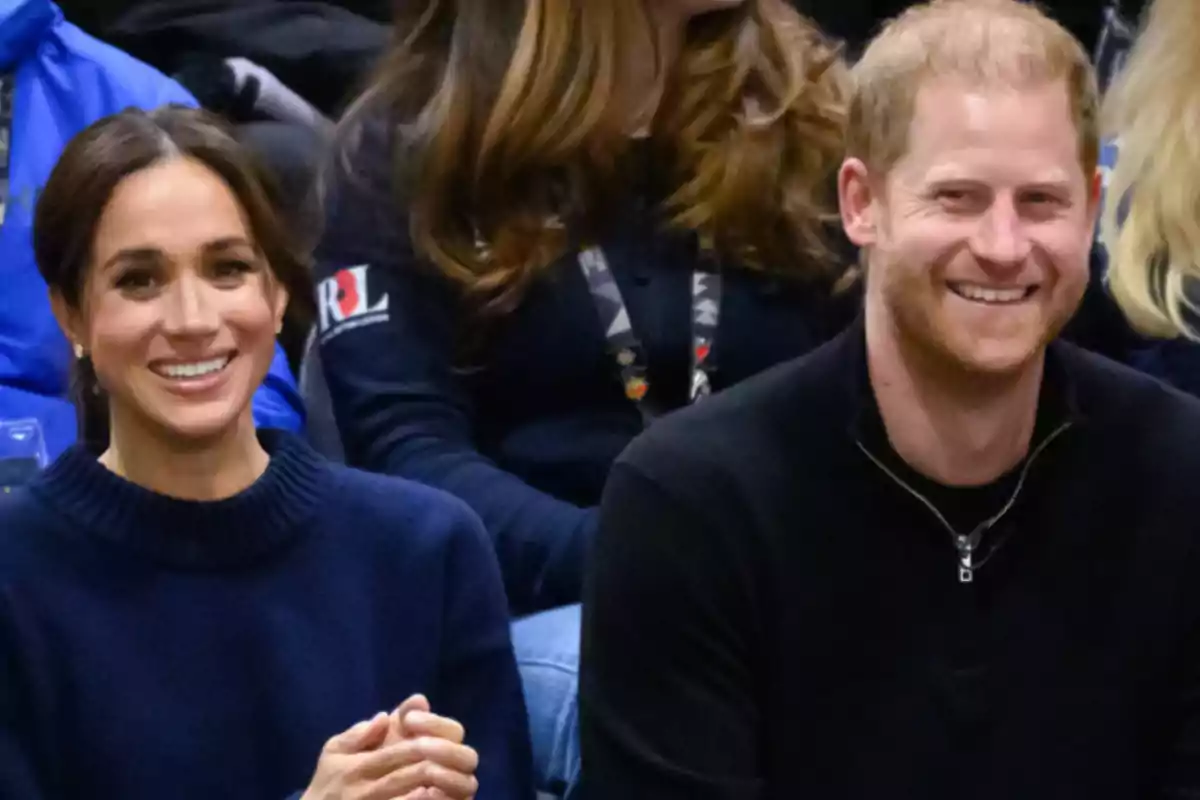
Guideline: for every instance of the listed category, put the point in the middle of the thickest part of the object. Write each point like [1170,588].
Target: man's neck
[954,430]
[204,471]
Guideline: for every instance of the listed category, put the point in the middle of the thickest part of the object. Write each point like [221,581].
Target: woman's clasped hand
[409,754]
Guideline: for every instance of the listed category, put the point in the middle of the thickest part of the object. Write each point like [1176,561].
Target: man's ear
[70,321]
[857,202]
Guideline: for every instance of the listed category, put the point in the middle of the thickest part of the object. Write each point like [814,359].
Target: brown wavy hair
[512,118]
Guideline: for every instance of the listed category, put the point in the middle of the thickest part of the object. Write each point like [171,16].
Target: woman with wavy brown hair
[551,222]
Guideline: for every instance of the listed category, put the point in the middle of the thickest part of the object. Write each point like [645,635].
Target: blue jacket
[66,80]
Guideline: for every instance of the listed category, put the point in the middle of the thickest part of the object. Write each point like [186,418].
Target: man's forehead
[960,128]
[976,100]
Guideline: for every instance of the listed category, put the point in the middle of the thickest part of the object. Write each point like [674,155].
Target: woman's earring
[78,351]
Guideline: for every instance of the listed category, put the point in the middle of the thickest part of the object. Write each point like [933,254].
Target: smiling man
[947,555]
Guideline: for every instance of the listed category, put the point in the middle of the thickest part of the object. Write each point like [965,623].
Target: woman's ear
[280,300]
[70,321]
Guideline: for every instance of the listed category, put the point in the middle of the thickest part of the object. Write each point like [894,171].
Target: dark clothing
[769,614]
[319,49]
[526,431]
[153,647]
[1100,326]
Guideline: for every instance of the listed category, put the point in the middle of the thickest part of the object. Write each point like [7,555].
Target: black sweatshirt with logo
[777,607]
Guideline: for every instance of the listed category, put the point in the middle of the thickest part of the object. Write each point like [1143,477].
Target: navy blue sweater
[154,648]
[525,434]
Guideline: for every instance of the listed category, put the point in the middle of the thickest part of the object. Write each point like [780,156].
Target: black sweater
[771,615]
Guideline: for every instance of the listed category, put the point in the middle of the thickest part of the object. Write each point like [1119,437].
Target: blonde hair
[513,116]
[985,41]
[1153,111]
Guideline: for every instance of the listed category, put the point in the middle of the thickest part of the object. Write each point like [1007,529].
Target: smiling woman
[155,236]
[223,603]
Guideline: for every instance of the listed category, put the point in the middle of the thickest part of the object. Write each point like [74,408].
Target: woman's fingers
[428,794]
[396,732]
[417,702]
[395,757]
[456,757]
[423,723]
[389,759]
[366,735]
[426,775]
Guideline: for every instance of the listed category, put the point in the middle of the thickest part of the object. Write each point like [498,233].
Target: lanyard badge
[623,343]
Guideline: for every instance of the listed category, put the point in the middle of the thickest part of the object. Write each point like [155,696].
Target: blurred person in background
[55,81]
[551,223]
[1151,224]
[1150,107]
[322,51]
[199,609]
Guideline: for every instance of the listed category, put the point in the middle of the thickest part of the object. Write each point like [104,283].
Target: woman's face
[179,310]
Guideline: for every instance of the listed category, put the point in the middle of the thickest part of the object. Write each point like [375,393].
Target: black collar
[1057,401]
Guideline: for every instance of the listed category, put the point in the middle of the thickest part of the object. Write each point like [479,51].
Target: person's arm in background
[667,697]
[388,335]
[1099,325]
[478,684]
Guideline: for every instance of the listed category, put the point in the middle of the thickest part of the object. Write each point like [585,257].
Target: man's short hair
[984,42]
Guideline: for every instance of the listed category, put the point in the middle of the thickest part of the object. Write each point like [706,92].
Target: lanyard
[7,80]
[623,344]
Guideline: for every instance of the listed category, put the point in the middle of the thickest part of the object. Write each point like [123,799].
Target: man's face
[978,237]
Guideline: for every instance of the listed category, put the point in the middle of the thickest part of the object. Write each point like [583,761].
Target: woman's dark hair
[82,183]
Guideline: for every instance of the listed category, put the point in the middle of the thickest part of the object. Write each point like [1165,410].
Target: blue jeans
[547,648]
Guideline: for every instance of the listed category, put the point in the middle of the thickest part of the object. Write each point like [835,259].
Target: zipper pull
[966,572]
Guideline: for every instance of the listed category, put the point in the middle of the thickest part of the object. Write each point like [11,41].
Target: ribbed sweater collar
[190,534]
